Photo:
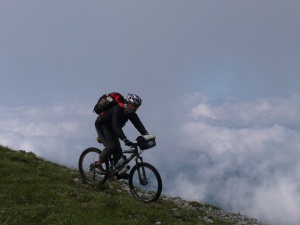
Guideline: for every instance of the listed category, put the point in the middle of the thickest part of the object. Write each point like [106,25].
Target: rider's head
[133,102]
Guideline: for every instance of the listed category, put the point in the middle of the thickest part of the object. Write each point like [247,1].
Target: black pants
[110,141]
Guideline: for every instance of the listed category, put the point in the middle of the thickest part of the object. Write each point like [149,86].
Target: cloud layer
[55,132]
[242,156]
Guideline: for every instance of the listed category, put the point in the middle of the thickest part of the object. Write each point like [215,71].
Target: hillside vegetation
[36,191]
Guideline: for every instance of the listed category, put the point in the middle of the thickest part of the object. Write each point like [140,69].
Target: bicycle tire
[147,189]
[87,158]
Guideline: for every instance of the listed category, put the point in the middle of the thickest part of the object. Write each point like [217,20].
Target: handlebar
[144,142]
[134,145]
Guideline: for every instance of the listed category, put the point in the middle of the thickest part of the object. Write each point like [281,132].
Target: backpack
[108,100]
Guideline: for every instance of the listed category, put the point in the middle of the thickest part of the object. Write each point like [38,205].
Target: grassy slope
[36,191]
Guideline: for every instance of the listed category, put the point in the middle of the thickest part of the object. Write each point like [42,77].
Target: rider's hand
[127,142]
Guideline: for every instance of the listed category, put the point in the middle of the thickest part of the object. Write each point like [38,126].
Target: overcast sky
[219,82]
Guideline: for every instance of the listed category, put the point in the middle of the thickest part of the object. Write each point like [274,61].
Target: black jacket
[117,117]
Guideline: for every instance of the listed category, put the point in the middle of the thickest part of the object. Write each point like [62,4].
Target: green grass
[36,191]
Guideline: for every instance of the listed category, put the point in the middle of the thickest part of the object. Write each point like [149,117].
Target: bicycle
[144,180]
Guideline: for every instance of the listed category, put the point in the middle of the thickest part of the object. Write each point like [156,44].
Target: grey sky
[219,82]
[236,48]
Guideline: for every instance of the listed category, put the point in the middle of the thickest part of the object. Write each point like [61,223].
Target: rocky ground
[211,212]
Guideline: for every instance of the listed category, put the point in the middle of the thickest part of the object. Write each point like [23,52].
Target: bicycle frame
[135,153]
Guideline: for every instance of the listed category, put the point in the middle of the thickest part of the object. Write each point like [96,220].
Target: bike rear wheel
[86,164]
[145,182]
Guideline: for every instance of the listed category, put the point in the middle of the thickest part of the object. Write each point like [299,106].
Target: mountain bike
[144,180]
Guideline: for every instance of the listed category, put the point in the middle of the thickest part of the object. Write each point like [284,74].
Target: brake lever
[134,146]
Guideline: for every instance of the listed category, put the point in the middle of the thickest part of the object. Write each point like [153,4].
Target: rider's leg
[99,131]
[101,135]
[110,141]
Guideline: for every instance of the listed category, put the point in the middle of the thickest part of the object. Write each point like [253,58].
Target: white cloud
[57,121]
[260,112]
[57,133]
[203,110]
[242,156]
[278,202]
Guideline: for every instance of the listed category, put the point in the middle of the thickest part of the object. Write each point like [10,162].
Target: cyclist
[109,129]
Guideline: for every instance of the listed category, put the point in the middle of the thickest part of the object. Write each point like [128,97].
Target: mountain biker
[109,129]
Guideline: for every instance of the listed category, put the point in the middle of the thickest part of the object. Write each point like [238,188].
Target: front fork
[141,171]
[138,158]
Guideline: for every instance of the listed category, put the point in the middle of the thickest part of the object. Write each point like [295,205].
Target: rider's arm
[137,123]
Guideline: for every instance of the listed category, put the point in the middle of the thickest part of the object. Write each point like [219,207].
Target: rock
[212,212]
[208,220]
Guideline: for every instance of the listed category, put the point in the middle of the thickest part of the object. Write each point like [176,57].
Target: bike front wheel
[145,182]
[86,165]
